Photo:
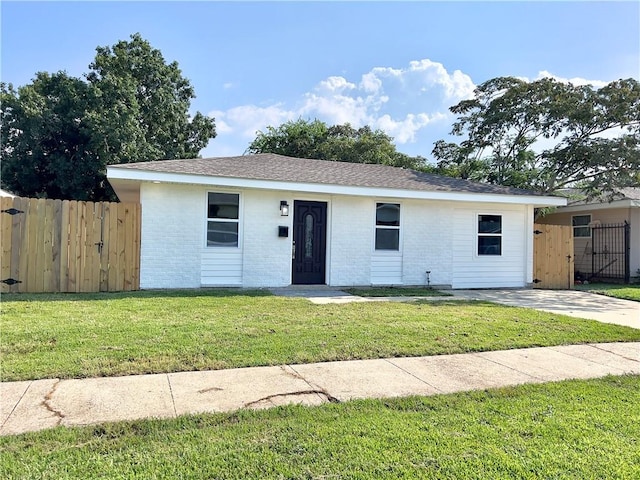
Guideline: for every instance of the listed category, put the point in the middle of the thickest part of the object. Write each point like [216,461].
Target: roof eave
[582,207]
[123,181]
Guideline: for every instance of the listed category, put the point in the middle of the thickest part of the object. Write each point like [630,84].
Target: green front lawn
[626,292]
[574,429]
[85,335]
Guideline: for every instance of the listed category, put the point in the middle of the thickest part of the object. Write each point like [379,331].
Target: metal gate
[610,252]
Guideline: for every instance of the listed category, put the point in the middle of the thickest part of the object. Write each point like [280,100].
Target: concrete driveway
[566,302]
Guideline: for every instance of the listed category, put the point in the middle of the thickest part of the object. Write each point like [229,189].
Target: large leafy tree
[59,132]
[547,135]
[315,139]
[49,146]
[145,102]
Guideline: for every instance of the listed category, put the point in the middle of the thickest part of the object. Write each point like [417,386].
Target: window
[222,219]
[388,226]
[581,228]
[489,234]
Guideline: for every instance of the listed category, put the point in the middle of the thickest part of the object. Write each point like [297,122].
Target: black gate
[610,253]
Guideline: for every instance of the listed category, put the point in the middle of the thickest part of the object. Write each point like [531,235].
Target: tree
[547,135]
[314,139]
[49,148]
[145,103]
[59,133]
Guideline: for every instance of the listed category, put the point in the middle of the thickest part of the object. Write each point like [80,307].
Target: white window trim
[239,220]
[588,225]
[477,229]
[400,228]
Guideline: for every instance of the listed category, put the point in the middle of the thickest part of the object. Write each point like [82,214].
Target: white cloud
[409,103]
[335,84]
[404,131]
[402,102]
[370,83]
[575,80]
[248,119]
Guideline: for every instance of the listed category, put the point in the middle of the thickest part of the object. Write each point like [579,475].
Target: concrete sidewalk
[40,404]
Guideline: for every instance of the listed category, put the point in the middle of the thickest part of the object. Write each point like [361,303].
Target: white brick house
[270,221]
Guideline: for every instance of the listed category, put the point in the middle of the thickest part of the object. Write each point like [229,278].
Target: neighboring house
[4,193]
[600,251]
[270,221]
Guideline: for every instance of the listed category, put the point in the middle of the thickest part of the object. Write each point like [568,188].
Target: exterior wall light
[284,208]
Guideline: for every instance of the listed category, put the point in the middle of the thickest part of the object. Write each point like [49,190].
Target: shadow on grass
[182,293]
[396,292]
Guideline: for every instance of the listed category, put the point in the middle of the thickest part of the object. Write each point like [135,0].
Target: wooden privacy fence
[553,261]
[69,246]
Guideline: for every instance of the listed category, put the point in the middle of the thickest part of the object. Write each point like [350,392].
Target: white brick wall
[172,235]
[267,257]
[350,240]
[427,240]
[436,236]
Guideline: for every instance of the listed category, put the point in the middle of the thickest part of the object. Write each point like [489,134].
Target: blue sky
[396,66]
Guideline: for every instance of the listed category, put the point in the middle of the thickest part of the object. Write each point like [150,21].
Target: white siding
[221,267]
[172,235]
[471,270]
[386,269]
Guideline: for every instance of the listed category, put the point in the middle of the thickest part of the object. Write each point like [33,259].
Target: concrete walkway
[41,404]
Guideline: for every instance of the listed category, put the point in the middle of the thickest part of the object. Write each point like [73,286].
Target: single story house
[271,221]
[602,248]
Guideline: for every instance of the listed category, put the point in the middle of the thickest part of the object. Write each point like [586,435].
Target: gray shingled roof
[626,193]
[268,166]
[632,193]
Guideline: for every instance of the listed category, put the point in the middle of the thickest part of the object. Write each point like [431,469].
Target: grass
[626,292]
[574,429]
[396,292]
[86,335]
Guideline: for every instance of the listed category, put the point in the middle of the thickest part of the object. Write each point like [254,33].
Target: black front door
[309,242]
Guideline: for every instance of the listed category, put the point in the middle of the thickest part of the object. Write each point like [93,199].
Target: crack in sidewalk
[330,398]
[46,403]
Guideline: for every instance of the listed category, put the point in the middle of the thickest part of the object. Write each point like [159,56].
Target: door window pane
[308,236]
